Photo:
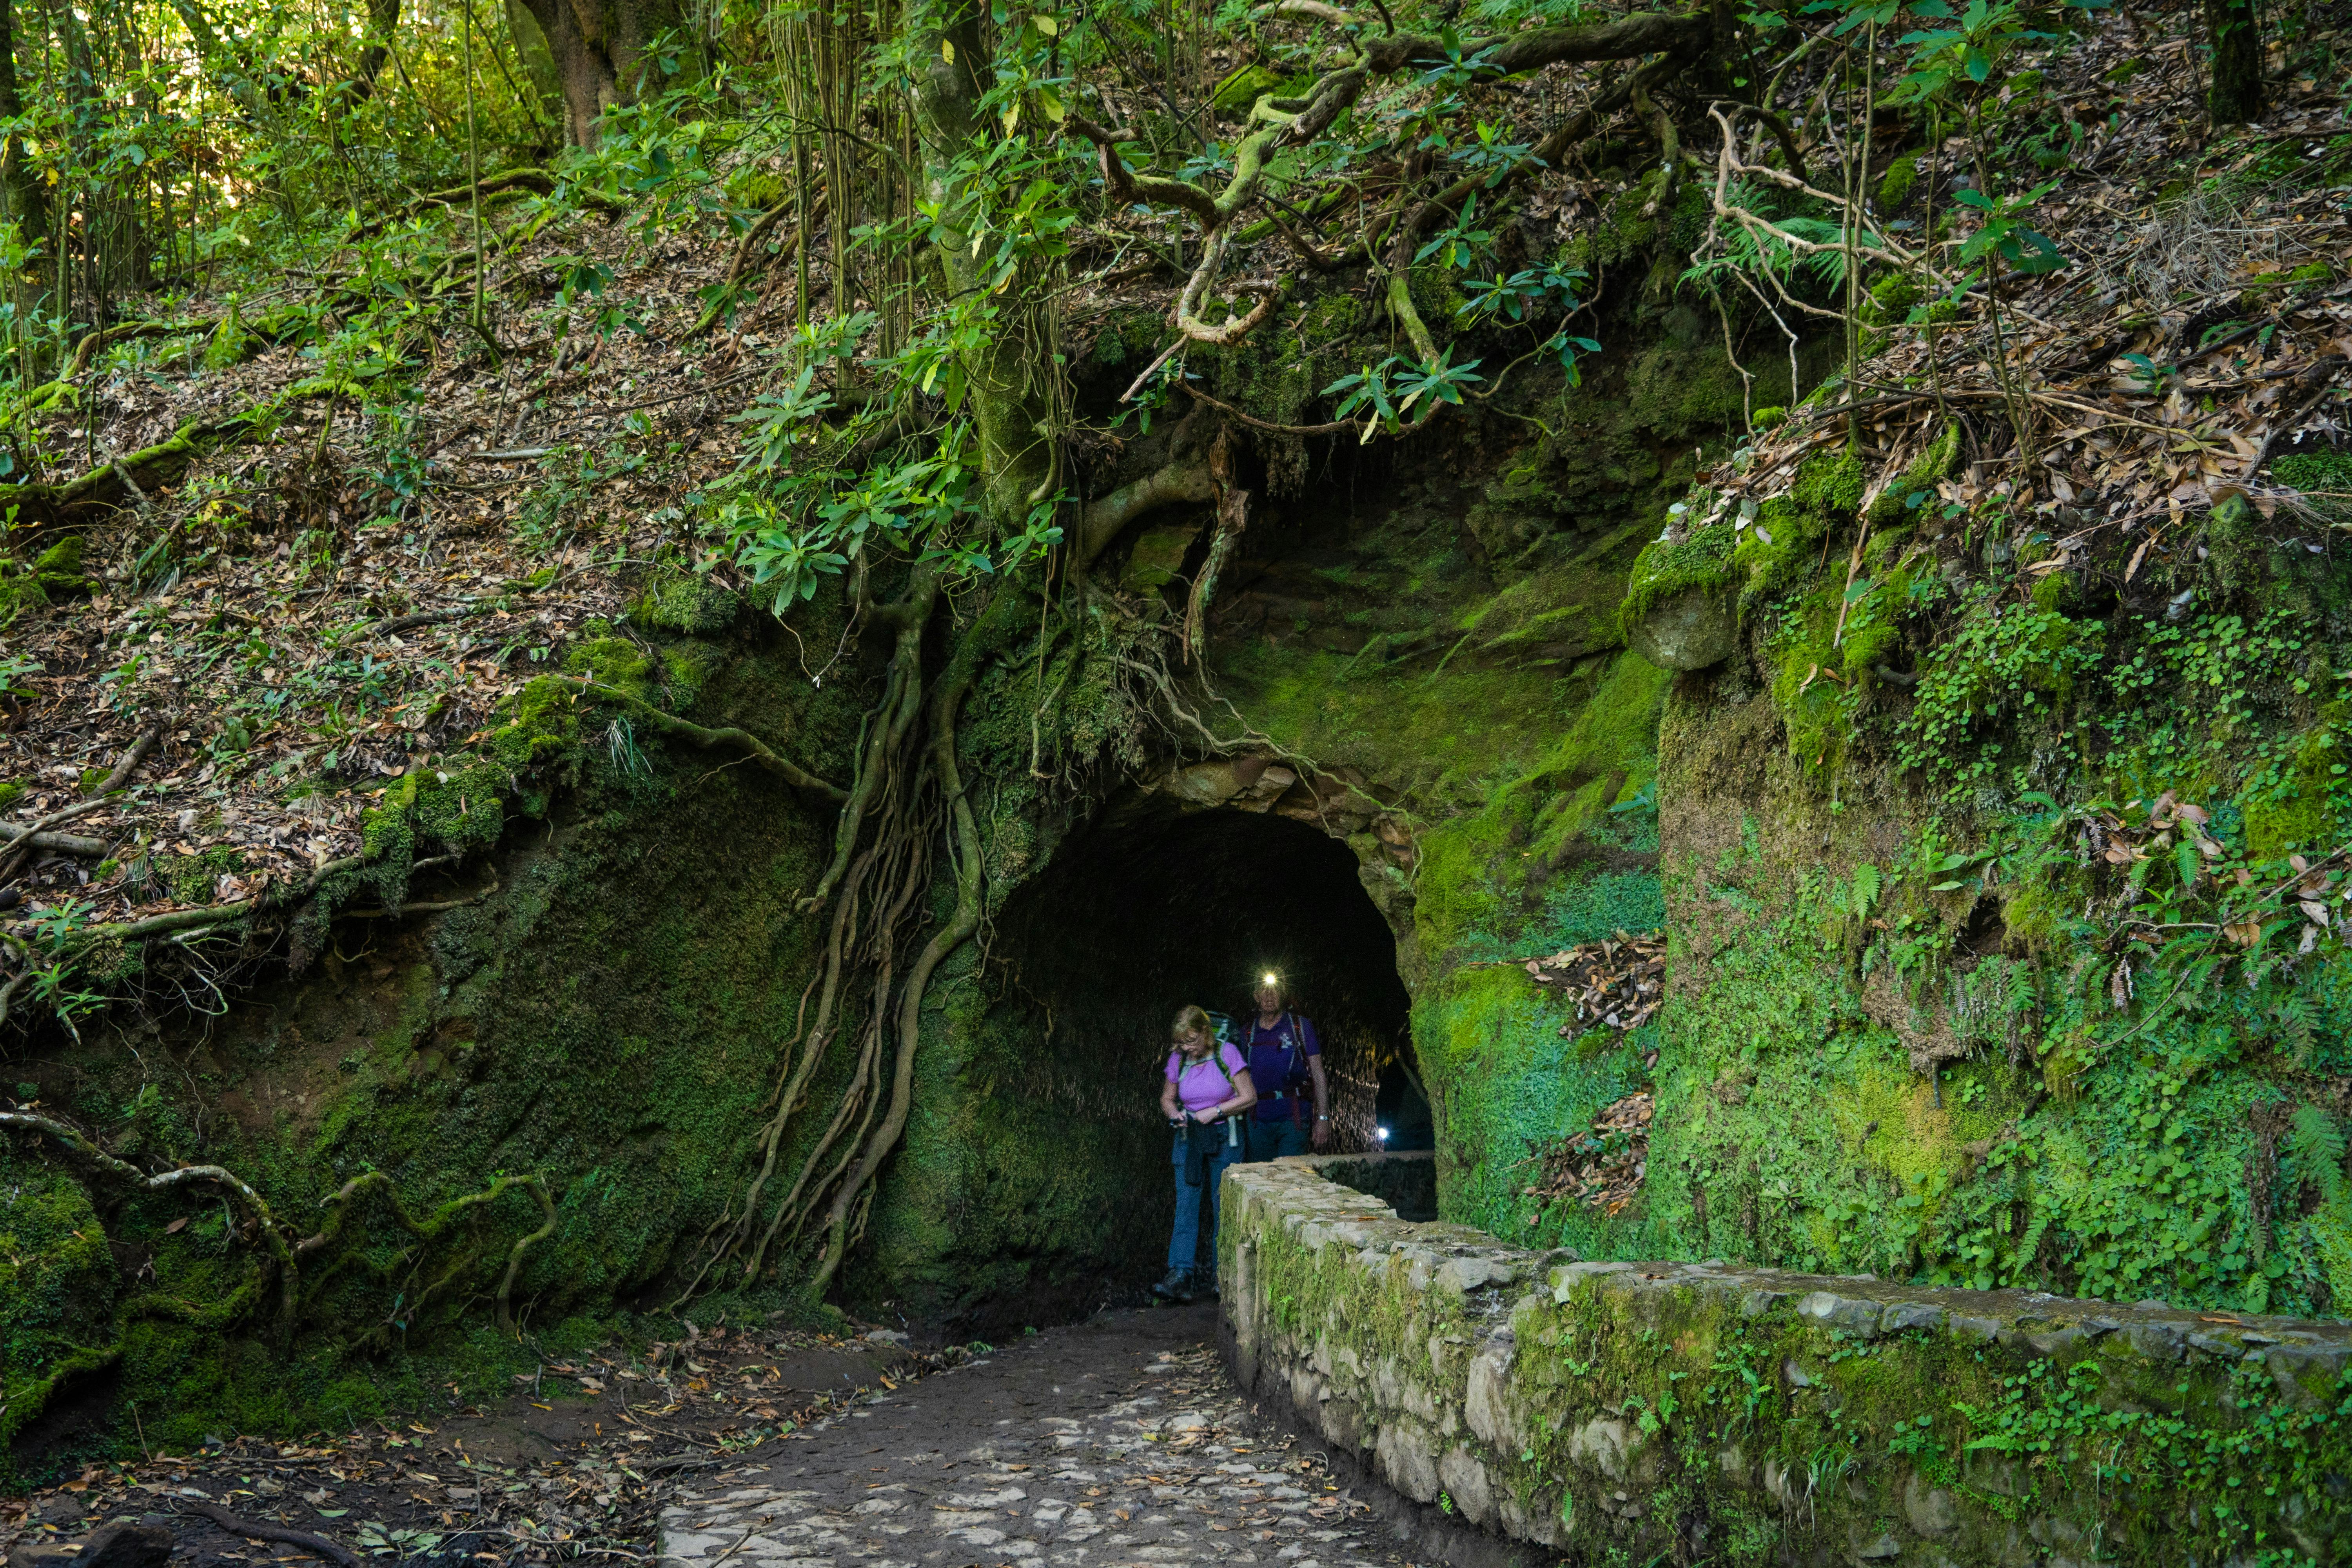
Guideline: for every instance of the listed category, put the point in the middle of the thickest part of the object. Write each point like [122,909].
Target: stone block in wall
[1406,1457]
[1486,1406]
[1620,1410]
[1464,1477]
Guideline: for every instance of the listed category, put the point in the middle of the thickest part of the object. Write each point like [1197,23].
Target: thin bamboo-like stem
[473,166]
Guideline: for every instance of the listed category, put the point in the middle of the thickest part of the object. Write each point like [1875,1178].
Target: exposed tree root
[287,1257]
[512,182]
[704,739]
[102,488]
[130,331]
[130,1177]
[120,483]
[317,1545]
[744,250]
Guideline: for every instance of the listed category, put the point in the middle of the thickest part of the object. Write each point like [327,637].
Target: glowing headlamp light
[1269,978]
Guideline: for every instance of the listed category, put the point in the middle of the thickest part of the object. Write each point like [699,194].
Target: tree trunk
[537,59]
[599,52]
[20,191]
[1010,407]
[384,20]
[2233,29]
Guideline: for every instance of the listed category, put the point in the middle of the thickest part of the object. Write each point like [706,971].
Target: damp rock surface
[1119,1440]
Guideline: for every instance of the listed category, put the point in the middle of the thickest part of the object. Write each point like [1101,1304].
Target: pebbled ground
[1117,1441]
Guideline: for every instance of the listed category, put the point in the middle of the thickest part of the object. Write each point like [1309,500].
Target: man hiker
[1285,1060]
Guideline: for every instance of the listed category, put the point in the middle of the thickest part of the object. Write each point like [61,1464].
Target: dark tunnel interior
[1152,905]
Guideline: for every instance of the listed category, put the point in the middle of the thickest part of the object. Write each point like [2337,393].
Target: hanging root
[908,797]
[947,703]
[873,881]
[907,800]
[536,1184]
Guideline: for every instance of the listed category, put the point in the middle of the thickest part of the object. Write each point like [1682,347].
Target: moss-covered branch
[513,182]
[707,738]
[130,1177]
[1169,485]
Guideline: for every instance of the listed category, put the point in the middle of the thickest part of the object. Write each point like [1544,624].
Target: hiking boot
[1177,1287]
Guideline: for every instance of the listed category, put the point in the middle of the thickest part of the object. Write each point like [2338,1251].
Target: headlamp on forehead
[1269,978]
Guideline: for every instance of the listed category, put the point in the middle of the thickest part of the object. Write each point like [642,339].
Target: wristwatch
[1322,1118]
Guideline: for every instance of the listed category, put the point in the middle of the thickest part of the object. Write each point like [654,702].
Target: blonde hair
[1189,1019]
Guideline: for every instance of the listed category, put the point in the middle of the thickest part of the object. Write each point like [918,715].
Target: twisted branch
[129,1175]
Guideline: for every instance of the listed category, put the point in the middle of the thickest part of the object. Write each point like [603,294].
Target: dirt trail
[574,1463]
[1117,1441]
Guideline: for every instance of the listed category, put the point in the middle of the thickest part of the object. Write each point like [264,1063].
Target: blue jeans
[1273,1140]
[1196,1210]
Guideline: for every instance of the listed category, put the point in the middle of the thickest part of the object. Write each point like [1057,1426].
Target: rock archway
[1044,1192]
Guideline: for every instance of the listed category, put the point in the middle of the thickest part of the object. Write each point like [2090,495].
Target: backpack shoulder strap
[1216,1058]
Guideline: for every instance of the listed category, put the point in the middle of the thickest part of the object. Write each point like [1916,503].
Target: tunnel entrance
[1153,905]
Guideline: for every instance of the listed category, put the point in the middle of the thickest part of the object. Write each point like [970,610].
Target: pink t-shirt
[1199,1086]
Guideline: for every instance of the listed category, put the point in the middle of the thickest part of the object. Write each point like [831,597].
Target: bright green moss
[57,1286]
[1664,569]
[2323,477]
[1830,483]
[1895,186]
[1919,480]
[1776,550]
[53,576]
[687,603]
[1242,88]
[755,185]
[2298,811]
[192,878]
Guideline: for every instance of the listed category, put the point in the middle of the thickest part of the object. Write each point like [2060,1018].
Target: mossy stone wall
[1629,1412]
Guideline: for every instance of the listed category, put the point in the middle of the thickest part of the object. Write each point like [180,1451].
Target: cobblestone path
[1118,1441]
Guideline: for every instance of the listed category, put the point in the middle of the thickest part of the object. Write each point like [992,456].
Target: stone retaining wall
[1642,1413]
[1407,1183]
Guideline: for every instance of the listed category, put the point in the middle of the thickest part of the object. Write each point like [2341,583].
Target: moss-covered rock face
[57,1290]
[604,1004]
[1621,1412]
[1949,853]
[1692,629]
[1473,677]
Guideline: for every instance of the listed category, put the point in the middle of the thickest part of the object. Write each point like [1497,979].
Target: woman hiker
[1206,1087]
[1285,1055]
